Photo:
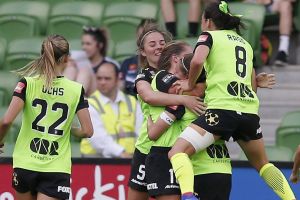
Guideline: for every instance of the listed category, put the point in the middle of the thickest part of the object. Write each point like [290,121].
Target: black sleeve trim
[205,38]
[164,81]
[83,103]
[20,90]
[202,77]
[144,75]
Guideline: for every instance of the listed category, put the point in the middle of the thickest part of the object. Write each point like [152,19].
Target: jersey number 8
[53,128]
[240,54]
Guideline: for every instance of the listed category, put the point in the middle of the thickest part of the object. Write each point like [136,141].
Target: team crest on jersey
[167,78]
[211,119]
[202,38]
[19,87]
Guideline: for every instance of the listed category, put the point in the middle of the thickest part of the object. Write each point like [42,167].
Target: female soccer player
[42,154]
[150,44]
[231,99]
[163,185]
[213,173]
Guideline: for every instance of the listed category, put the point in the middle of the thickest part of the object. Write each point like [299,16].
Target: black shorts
[137,179]
[216,186]
[161,178]
[52,184]
[227,123]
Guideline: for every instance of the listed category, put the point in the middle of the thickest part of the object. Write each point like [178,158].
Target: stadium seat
[275,153]
[68,18]
[191,41]
[21,51]
[8,84]
[124,49]
[288,132]
[3,99]
[20,19]
[122,18]
[3,45]
[75,44]
[288,137]
[253,17]
[290,119]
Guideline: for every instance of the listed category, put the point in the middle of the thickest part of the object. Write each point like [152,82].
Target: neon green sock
[276,180]
[184,172]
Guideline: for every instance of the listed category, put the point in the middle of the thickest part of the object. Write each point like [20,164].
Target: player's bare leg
[25,196]
[42,196]
[255,152]
[136,195]
[168,197]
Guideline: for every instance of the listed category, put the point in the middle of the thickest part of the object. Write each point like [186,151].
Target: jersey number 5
[53,128]
[240,54]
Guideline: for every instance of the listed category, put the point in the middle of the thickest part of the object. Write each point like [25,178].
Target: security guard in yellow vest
[116,117]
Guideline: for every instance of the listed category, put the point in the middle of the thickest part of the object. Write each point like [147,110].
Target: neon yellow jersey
[229,68]
[169,137]
[43,143]
[143,143]
[214,159]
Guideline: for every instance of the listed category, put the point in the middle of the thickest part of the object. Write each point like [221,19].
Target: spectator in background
[130,66]
[94,43]
[285,10]
[116,117]
[168,11]
[295,176]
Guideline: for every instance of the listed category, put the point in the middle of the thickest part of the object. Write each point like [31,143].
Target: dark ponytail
[100,35]
[219,13]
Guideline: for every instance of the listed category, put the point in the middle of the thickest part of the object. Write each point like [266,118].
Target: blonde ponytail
[54,48]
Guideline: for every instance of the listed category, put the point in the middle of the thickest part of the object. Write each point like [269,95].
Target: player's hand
[182,86]
[294,178]
[194,104]
[265,80]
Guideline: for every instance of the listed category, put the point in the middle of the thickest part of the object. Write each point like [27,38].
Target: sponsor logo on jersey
[152,186]
[202,38]
[167,78]
[19,87]
[15,180]
[172,187]
[259,131]
[63,189]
